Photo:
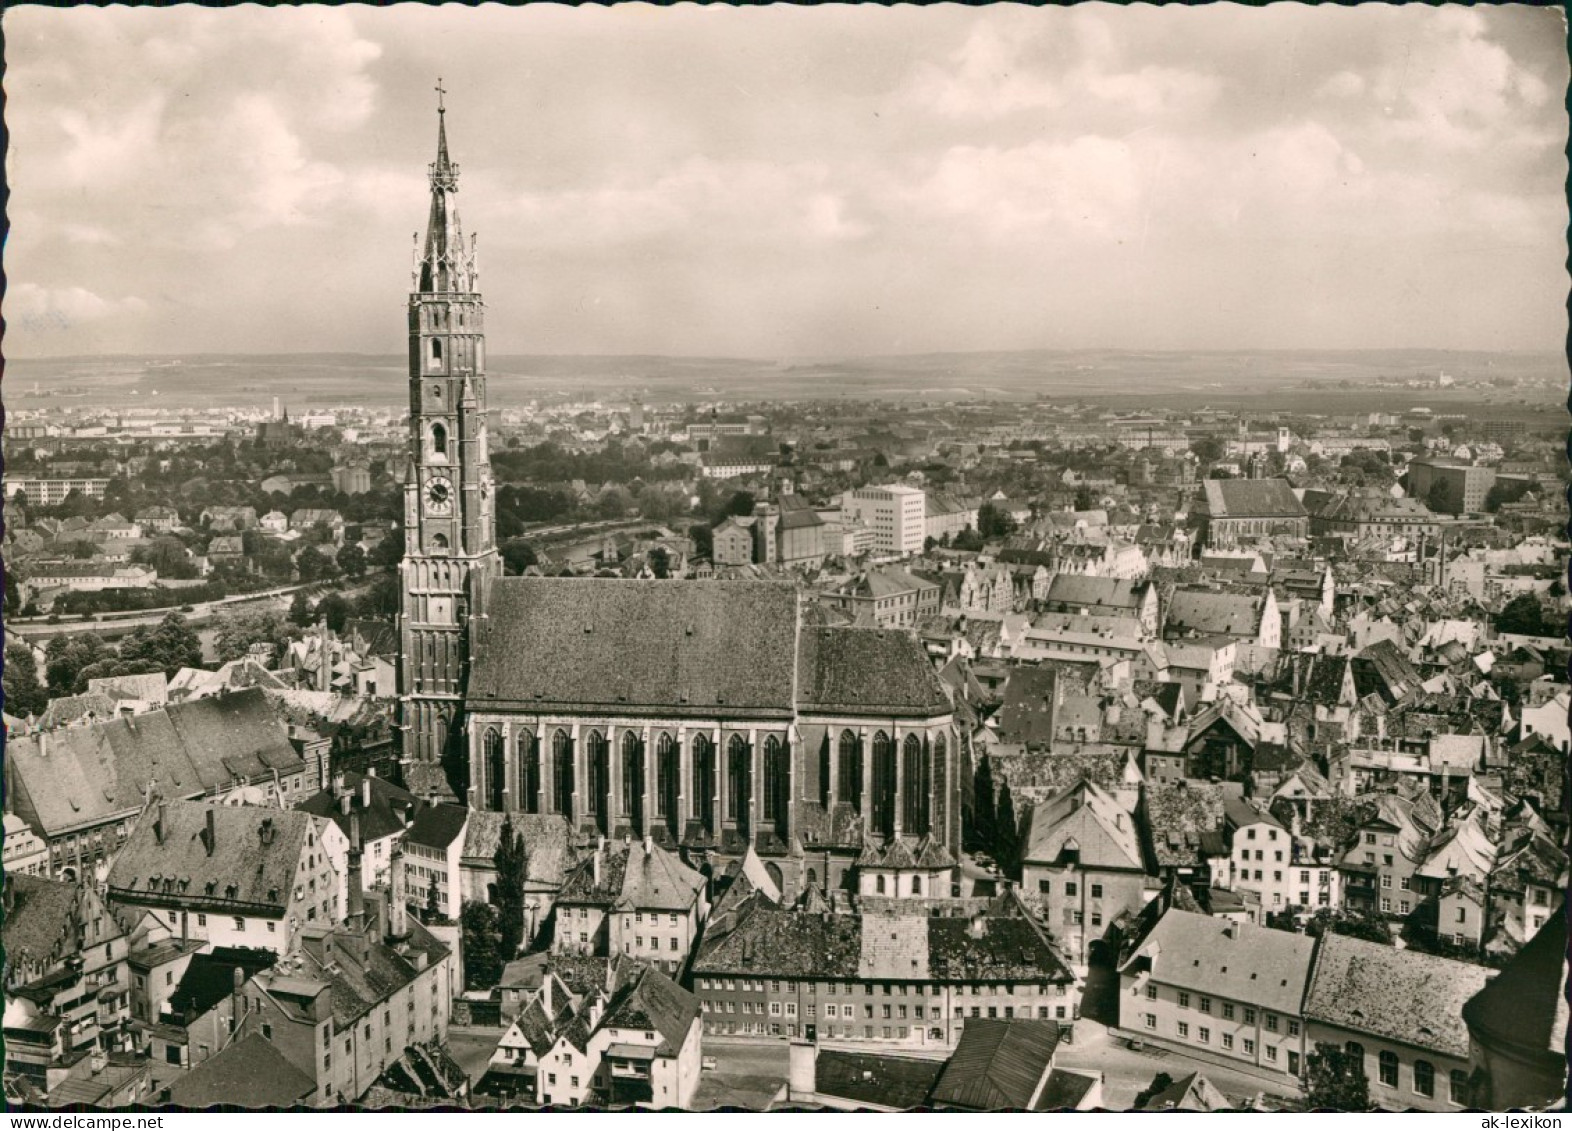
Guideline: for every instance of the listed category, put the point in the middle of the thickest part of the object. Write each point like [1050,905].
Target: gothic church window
[848,787]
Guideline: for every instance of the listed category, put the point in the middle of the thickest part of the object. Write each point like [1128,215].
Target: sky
[792,182]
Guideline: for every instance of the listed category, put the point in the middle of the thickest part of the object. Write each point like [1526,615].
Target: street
[1126,1072]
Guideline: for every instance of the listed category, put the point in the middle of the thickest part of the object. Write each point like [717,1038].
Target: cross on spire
[441,109]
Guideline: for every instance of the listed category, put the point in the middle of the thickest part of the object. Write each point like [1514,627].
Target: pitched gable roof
[251,861]
[594,642]
[1401,995]
[998,1065]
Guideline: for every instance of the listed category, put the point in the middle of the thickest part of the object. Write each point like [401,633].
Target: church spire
[447,265]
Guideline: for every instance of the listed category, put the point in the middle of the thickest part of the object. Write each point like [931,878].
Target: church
[711,717]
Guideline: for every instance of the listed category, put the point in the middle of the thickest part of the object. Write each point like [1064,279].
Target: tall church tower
[450,547]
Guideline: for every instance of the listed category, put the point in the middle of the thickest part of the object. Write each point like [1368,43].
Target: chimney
[159,822]
[238,996]
[600,847]
[344,800]
[185,927]
[802,1073]
[212,835]
[398,926]
[365,793]
[356,910]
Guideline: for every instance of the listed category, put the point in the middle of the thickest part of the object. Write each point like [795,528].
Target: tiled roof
[877,1080]
[1085,815]
[438,826]
[249,1073]
[546,841]
[1252,498]
[863,671]
[997,1065]
[1192,1092]
[383,818]
[653,1002]
[1065,1090]
[787,944]
[1237,961]
[1027,716]
[1178,816]
[253,859]
[1401,995]
[42,921]
[635,876]
[1206,613]
[89,775]
[622,645]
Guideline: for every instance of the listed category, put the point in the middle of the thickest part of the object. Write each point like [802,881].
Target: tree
[168,555]
[1209,449]
[66,656]
[334,609]
[171,646]
[24,695]
[969,540]
[1006,831]
[517,556]
[703,539]
[300,609]
[238,630]
[1335,1080]
[1523,616]
[1349,923]
[112,667]
[994,522]
[481,935]
[314,565]
[352,560]
[660,562]
[1160,1084]
[984,813]
[381,599]
[512,861]
[740,504]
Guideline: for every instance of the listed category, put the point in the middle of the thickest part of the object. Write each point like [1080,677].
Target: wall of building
[1155,1011]
[1400,1095]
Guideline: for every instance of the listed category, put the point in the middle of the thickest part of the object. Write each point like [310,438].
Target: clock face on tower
[439,496]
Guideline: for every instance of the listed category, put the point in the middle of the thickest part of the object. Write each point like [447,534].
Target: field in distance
[1292,381]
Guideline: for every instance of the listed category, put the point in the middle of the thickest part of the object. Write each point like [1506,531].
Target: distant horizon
[810,358]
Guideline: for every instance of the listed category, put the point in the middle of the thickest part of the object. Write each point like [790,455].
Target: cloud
[34,307]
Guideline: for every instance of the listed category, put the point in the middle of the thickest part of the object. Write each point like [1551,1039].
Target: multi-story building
[344,1003]
[1101,596]
[1448,487]
[632,899]
[1379,869]
[901,979]
[1082,863]
[53,492]
[897,514]
[1398,1012]
[226,747]
[66,983]
[885,598]
[1221,987]
[427,868]
[233,875]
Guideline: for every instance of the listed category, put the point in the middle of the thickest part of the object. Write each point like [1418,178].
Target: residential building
[1448,487]
[633,899]
[231,748]
[1082,864]
[888,979]
[1397,1012]
[1223,987]
[234,875]
[885,598]
[427,868]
